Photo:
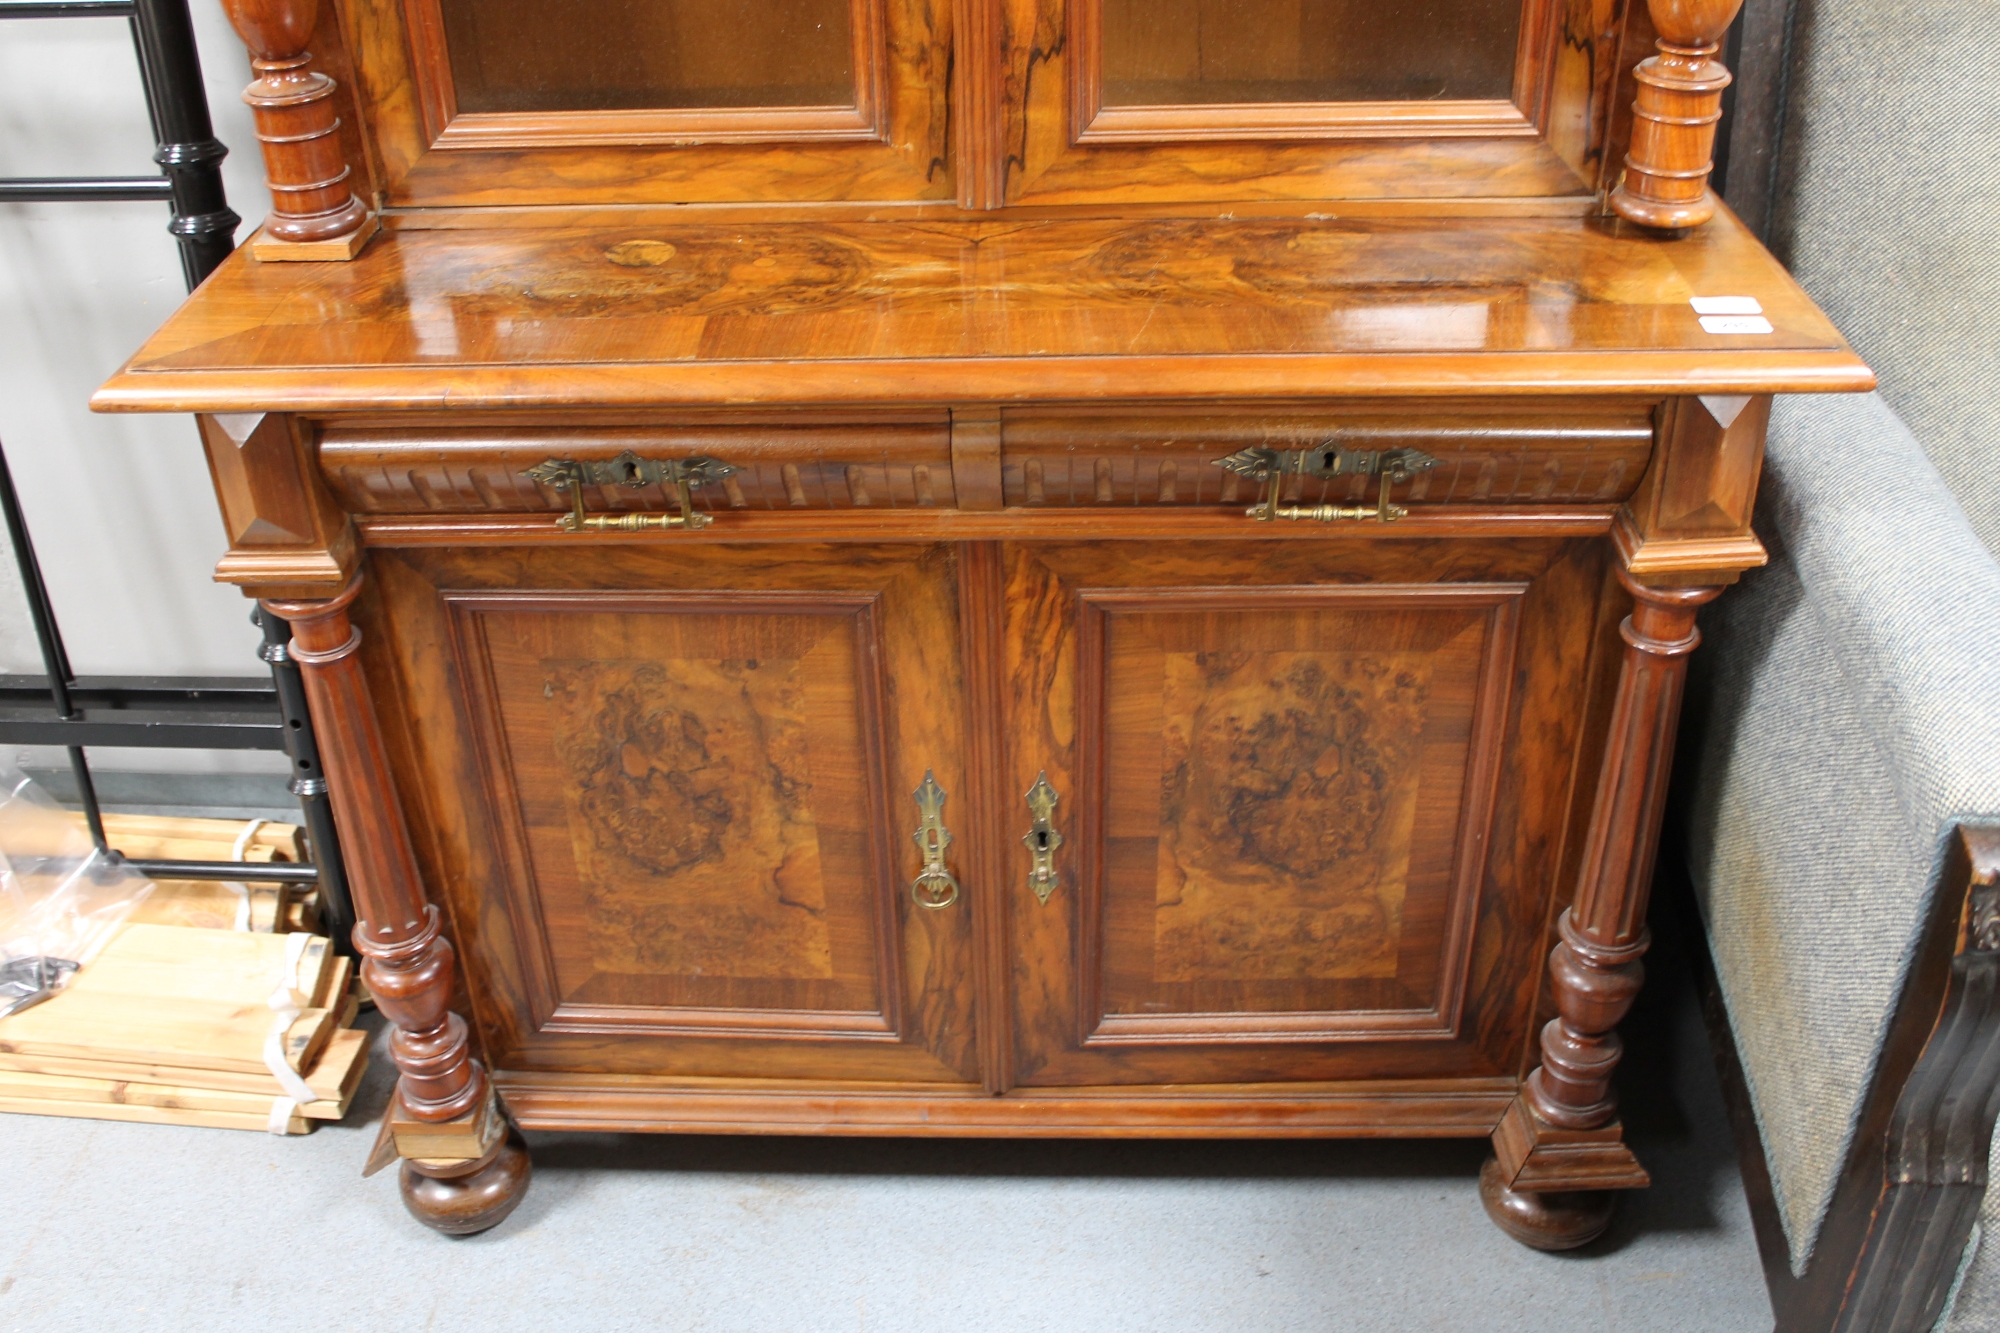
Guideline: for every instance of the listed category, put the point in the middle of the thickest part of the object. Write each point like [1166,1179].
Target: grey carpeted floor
[154,1228]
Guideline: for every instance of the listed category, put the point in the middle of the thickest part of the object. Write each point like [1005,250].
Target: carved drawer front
[776,467]
[682,781]
[1535,454]
[1296,812]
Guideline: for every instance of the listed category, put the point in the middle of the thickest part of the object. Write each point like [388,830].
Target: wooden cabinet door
[1312,798]
[668,797]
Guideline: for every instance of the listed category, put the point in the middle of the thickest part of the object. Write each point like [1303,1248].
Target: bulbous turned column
[1559,1150]
[1674,117]
[296,123]
[462,1170]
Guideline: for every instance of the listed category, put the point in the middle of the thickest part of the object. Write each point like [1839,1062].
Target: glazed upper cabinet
[979,102]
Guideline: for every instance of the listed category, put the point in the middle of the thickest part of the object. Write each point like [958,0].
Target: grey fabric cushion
[1887,215]
[1851,722]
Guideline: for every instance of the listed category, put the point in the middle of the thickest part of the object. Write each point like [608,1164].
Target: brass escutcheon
[1041,839]
[628,469]
[935,887]
[1272,466]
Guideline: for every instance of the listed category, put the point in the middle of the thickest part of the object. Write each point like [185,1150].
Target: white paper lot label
[1726,305]
[1736,324]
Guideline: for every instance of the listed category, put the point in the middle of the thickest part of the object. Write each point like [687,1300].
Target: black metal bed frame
[220,713]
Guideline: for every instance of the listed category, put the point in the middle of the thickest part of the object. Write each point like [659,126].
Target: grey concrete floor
[115,1226]
[149,1227]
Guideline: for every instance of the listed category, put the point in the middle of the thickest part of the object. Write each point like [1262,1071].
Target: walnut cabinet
[1034,567]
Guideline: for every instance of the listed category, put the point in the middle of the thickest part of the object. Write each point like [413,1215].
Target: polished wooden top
[662,313]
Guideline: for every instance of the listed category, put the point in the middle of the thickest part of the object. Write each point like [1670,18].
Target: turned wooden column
[1674,117]
[1595,970]
[1560,1149]
[460,1172]
[296,124]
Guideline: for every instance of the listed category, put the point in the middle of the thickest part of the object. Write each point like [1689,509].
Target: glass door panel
[1202,52]
[619,55]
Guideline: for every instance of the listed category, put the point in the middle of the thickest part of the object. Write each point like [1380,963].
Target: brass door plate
[1041,839]
[935,887]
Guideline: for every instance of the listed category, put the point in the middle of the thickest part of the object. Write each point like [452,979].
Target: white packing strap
[286,1012]
[242,891]
[280,1118]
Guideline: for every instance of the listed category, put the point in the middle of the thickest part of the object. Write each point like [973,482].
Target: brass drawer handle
[1041,839]
[628,469]
[1271,466]
[935,886]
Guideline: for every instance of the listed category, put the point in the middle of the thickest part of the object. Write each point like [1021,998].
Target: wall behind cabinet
[127,553]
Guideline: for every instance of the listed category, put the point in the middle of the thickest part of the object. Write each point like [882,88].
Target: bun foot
[476,1196]
[1548,1221]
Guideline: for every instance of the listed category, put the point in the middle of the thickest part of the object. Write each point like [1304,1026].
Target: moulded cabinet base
[1535,1155]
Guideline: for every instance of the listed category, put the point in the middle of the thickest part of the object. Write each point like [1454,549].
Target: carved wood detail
[839,466]
[1563,1133]
[296,123]
[1675,117]
[286,535]
[1690,515]
[407,961]
[1550,454]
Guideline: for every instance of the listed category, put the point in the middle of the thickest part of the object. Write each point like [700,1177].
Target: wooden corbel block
[287,539]
[1689,520]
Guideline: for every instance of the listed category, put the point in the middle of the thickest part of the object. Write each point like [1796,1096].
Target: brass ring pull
[628,469]
[935,886]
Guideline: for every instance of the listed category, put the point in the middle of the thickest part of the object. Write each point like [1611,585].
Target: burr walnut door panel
[1303,834]
[691,775]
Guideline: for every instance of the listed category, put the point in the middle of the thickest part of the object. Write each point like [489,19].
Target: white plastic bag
[61,900]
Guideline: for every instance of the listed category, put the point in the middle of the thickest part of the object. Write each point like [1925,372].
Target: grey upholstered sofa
[1844,725]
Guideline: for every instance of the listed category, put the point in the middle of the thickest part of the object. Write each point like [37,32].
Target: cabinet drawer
[419,470]
[1533,454]
[1486,454]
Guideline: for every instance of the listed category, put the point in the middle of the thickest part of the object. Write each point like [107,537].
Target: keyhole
[1041,840]
[1327,460]
[631,474]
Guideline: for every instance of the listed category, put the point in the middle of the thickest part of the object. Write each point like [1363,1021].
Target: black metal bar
[86,791]
[336,907]
[196,694]
[66,189]
[66,9]
[55,658]
[243,872]
[55,661]
[188,151]
[152,731]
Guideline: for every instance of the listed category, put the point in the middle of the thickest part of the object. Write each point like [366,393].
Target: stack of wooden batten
[265,907]
[182,1024]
